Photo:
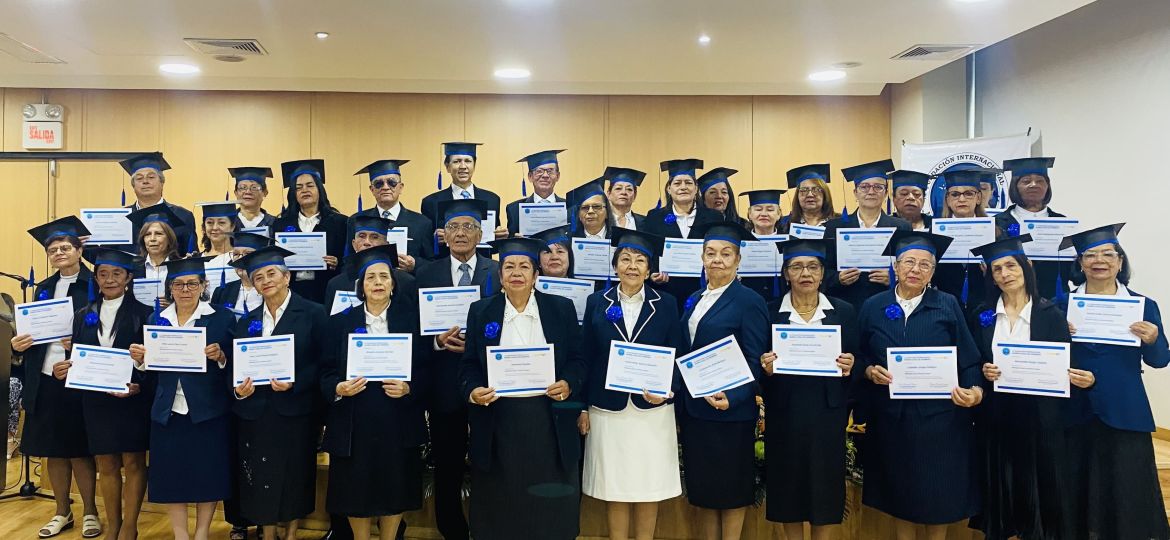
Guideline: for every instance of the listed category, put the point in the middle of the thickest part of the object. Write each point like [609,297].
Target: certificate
[760,257]
[400,237]
[440,308]
[968,233]
[806,232]
[577,290]
[806,350]
[383,357]
[862,248]
[1105,318]
[45,320]
[308,248]
[262,231]
[521,371]
[108,226]
[343,300]
[217,276]
[592,258]
[488,227]
[634,367]
[1037,368]
[717,367]
[264,359]
[536,217]
[146,291]
[923,372]
[100,369]
[170,348]
[1047,233]
[682,257]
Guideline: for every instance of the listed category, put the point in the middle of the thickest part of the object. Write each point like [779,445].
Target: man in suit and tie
[543,173]
[447,409]
[148,181]
[622,190]
[459,160]
[387,185]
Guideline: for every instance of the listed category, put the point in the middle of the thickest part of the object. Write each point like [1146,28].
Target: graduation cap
[544,157]
[290,170]
[383,167]
[681,167]
[763,196]
[472,208]
[582,193]
[805,247]
[160,213]
[191,266]
[362,260]
[459,149]
[713,177]
[1025,166]
[98,256]
[903,241]
[265,256]
[969,177]
[819,171]
[648,243]
[528,247]
[250,240]
[728,231]
[69,226]
[860,173]
[1086,240]
[1012,245]
[253,174]
[215,209]
[903,178]
[368,223]
[622,174]
[555,235]
[153,160]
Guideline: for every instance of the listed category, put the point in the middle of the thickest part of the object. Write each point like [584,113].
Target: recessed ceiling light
[827,75]
[179,69]
[704,39]
[322,35]
[513,73]
[969,1]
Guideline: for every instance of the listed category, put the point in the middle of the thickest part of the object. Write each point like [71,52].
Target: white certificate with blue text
[1036,368]
[760,257]
[577,290]
[146,291]
[682,257]
[440,308]
[379,357]
[634,367]
[806,350]
[536,217]
[264,359]
[99,369]
[170,348]
[922,372]
[218,276]
[108,226]
[862,248]
[45,320]
[1047,234]
[400,237]
[1105,318]
[521,371]
[488,228]
[592,258]
[967,234]
[343,300]
[806,232]
[308,248]
[715,368]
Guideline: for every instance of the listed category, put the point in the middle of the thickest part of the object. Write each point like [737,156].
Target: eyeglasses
[910,264]
[250,189]
[1101,256]
[798,269]
[871,188]
[465,227]
[543,172]
[64,250]
[587,208]
[809,191]
[379,184]
[965,194]
[186,286]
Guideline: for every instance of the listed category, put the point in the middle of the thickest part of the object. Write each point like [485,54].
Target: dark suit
[419,228]
[208,394]
[225,295]
[306,320]
[185,235]
[863,288]
[639,221]
[678,287]
[333,225]
[1051,276]
[513,211]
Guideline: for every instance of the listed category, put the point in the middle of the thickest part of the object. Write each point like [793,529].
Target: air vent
[934,52]
[24,52]
[232,47]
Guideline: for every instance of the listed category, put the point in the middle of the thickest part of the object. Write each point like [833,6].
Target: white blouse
[107,314]
[522,327]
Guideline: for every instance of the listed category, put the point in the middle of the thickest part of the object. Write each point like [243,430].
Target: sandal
[238,533]
[56,525]
[91,526]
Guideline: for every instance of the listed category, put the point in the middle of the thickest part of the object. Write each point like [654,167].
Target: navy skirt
[190,463]
[56,429]
[719,462]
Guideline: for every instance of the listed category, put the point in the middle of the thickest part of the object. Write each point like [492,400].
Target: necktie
[385,214]
[465,194]
[465,276]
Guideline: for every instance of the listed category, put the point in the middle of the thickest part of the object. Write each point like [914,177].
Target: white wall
[1096,83]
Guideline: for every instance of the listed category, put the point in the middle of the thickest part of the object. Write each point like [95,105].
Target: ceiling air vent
[232,47]
[24,52]
[934,52]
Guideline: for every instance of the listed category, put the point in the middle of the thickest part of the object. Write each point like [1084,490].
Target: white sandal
[91,526]
[56,525]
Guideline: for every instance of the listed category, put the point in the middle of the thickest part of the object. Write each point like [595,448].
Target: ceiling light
[827,75]
[512,73]
[704,39]
[179,69]
[322,35]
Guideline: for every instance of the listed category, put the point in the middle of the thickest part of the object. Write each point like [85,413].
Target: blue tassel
[32,277]
[222,277]
[573,221]
[283,208]
[123,196]
[246,310]
[966,286]
[487,286]
[348,249]
[523,188]
[225,196]
[1061,288]
[845,211]
[92,292]
[893,279]
[439,181]
[191,243]
[776,286]
[157,315]
[889,210]
[435,243]
[703,279]
[659,205]
[359,202]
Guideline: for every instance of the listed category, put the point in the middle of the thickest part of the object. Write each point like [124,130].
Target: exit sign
[44,135]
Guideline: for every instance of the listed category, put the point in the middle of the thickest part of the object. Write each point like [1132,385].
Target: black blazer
[225,295]
[405,418]
[333,225]
[430,205]
[404,286]
[208,394]
[307,321]
[34,357]
[860,290]
[655,221]
[658,324]
[558,319]
[513,211]
[445,395]
[419,228]
[835,391]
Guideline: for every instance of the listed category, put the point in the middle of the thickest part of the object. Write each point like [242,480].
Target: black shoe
[401,530]
[328,535]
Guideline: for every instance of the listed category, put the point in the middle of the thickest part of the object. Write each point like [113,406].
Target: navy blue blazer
[658,324]
[742,313]
[513,211]
[419,228]
[34,357]
[1118,397]
[558,319]
[333,225]
[307,321]
[405,414]
[208,394]
[835,391]
[938,321]
[861,289]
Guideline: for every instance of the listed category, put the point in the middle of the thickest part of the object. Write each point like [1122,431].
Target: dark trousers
[449,450]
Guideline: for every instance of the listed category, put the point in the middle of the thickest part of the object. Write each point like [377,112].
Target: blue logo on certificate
[544,285]
[82,354]
[580,247]
[621,352]
[243,348]
[499,356]
[1031,225]
[898,358]
[359,344]
[88,216]
[430,298]
[24,312]
[284,240]
[783,335]
[154,335]
[527,210]
[847,238]
[1006,351]
[1081,303]
[690,365]
[668,244]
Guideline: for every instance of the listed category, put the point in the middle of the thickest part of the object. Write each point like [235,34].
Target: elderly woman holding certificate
[1116,493]
[963,280]
[520,370]
[805,397]
[718,426]
[374,378]
[627,410]
[919,461]
[276,356]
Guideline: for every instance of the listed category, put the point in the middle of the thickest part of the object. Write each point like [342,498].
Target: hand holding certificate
[1037,368]
[635,368]
[309,249]
[536,217]
[175,349]
[806,350]
[264,359]
[682,258]
[440,308]
[1105,318]
[46,320]
[717,367]
[521,371]
[922,372]
[385,357]
[100,369]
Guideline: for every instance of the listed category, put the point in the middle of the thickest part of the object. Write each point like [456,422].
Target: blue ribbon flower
[670,218]
[360,330]
[986,318]
[43,295]
[290,228]
[91,319]
[894,312]
[614,313]
[230,306]
[255,328]
[690,303]
[162,321]
[1013,229]
[491,330]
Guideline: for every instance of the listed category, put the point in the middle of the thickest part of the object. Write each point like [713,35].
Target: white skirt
[631,455]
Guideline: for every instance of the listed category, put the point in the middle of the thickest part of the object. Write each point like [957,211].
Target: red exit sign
[44,135]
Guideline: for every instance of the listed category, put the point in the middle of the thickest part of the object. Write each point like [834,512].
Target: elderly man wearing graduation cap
[147,180]
[543,173]
[387,185]
[459,159]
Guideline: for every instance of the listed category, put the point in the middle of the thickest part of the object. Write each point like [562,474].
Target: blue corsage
[91,319]
[359,330]
[986,318]
[290,228]
[255,328]
[1013,229]
[491,330]
[614,314]
[894,312]
[162,321]
[690,303]
[670,218]
[43,295]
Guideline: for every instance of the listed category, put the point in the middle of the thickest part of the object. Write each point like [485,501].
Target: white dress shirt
[863,225]
[307,224]
[708,299]
[522,327]
[456,273]
[908,305]
[1020,213]
[631,308]
[1005,330]
[541,200]
[599,236]
[270,320]
[171,313]
[251,223]
[818,315]
[154,272]
[248,299]
[390,213]
[685,221]
[1122,291]
[625,221]
[457,192]
[56,352]
[107,314]
[377,324]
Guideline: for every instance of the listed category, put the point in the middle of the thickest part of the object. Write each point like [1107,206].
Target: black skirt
[380,477]
[117,425]
[190,463]
[57,428]
[1115,488]
[277,467]
[528,492]
[804,448]
[718,460]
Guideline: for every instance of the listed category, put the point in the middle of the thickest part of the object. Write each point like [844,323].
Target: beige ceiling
[571,46]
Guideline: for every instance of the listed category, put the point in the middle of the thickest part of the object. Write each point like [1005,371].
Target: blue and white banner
[941,157]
